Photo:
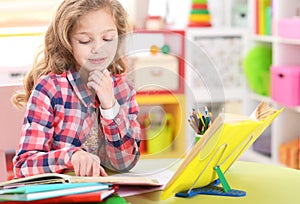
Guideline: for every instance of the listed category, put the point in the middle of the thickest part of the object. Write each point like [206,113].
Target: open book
[229,136]
[49,178]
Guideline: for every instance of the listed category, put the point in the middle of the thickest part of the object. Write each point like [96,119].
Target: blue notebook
[44,191]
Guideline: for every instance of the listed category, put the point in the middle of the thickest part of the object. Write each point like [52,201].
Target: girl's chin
[92,68]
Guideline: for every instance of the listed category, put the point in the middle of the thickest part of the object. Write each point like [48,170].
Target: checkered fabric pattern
[60,115]
[92,142]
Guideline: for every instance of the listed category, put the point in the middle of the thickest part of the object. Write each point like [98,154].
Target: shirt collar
[81,90]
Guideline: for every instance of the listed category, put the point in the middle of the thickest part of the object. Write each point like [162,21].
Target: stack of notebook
[63,188]
[57,193]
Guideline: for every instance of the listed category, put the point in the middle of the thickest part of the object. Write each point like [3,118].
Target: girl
[81,112]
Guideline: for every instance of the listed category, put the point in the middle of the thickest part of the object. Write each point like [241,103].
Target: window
[20,13]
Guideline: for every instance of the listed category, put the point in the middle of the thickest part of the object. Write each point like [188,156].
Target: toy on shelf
[257,69]
[199,15]
[165,49]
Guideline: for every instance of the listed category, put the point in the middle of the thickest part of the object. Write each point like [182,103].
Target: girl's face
[94,40]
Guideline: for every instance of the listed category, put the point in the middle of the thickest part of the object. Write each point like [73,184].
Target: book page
[46,178]
[49,178]
[262,111]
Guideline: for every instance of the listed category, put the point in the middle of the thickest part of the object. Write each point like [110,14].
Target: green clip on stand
[213,189]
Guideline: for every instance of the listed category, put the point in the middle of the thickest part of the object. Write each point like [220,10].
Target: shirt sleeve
[112,112]
[122,133]
[34,154]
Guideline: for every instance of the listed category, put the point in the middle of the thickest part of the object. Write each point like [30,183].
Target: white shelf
[215,31]
[287,41]
[263,38]
[284,52]
[273,39]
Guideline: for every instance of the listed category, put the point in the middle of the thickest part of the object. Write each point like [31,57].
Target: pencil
[193,125]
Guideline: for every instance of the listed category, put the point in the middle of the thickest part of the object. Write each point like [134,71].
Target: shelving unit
[174,104]
[214,75]
[285,51]
[159,80]
[225,93]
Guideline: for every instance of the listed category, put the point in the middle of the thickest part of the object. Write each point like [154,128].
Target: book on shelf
[48,191]
[263,17]
[228,137]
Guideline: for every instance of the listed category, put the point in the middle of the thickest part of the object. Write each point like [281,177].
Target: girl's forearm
[28,163]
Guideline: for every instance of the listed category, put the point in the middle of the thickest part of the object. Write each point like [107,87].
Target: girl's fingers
[102,171]
[99,79]
[95,166]
[95,76]
[83,168]
[76,168]
[106,73]
[96,169]
[85,164]
[98,75]
[92,85]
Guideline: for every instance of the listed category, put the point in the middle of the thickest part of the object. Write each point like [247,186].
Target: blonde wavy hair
[56,55]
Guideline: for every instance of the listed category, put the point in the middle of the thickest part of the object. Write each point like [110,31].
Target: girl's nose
[97,46]
[94,51]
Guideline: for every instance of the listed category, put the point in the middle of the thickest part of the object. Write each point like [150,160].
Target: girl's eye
[84,41]
[108,39]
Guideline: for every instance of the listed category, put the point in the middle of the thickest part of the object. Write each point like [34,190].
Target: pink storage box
[285,85]
[289,27]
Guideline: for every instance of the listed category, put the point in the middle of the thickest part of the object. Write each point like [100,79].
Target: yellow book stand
[222,144]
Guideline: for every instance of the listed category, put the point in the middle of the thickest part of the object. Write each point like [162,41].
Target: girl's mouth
[97,60]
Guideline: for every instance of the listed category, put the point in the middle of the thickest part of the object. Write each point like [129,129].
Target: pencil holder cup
[160,136]
[197,137]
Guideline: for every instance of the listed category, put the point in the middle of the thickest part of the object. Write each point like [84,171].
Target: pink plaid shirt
[59,119]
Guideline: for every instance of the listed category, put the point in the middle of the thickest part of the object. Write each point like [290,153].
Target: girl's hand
[86,164]
[101,82]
